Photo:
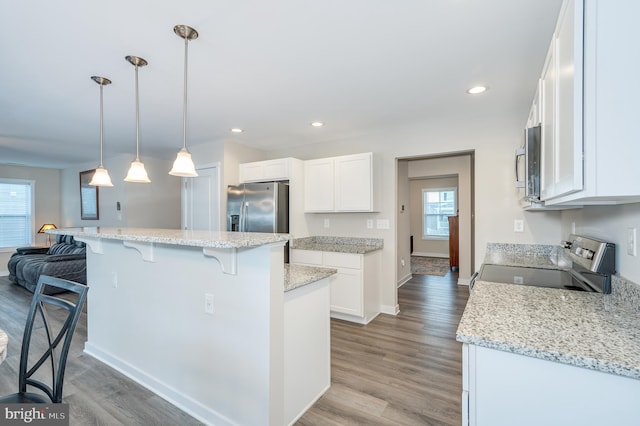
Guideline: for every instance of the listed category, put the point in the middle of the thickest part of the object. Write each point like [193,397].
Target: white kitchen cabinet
[319,184]
[265,171]
[504,388]
[341,184]
[611,107]
[355,288]
[547,98]
[562,106]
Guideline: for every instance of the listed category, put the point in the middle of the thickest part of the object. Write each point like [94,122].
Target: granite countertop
[589,330]
[338,244]
[178,237]
[300,275]
[527,255]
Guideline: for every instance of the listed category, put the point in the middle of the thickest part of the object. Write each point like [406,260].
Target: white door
[201,200]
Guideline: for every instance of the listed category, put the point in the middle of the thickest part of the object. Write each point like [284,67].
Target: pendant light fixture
[183,165]
[137,172]
[101,176]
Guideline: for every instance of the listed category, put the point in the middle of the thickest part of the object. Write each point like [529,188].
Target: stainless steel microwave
[531,153]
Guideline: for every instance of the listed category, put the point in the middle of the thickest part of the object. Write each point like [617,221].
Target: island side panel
[148,320]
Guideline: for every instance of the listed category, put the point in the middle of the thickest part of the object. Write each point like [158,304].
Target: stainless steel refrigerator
[259,207]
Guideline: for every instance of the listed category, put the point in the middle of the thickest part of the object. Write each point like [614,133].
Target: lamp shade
[101,178]
[46,227]
[183,165]
[137,173]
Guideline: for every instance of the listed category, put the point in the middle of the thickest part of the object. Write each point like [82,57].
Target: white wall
[150,205]
[47,200]
[608,223]
[403,226]
[494,140]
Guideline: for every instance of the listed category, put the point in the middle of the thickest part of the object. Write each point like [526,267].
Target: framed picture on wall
[88,197]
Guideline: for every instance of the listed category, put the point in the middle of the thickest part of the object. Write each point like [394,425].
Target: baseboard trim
[429,254]
[463,281]
[390,310]
[177,398]
[4,273]
[404,280]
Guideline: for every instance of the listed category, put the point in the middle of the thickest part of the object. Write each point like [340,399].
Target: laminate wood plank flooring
[403,370]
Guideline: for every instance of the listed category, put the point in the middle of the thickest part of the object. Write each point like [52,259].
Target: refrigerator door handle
[243,216]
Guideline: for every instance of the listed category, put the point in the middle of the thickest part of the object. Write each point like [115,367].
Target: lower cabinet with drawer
[355,288]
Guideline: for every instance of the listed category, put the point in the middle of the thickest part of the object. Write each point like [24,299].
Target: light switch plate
[631,241]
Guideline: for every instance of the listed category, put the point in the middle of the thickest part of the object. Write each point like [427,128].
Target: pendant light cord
[101,119]
[184,112]
[137,117]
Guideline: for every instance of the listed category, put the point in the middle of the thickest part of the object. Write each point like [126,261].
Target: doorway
[431,171]
[201,199]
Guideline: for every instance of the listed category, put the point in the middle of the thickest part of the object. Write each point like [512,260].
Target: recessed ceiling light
[477,89]
[237,130]
[317,124]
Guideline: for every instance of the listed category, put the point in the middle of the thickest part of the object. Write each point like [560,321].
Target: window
[16,213]
[437,206]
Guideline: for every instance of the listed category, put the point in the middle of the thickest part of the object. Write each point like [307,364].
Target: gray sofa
[66,258]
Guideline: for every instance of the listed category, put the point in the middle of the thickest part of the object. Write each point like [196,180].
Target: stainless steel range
[593,263]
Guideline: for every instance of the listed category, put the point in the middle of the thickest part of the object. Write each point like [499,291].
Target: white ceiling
[269,67]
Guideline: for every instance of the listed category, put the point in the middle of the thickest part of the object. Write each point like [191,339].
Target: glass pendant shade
[137,173]
[183,165]
[101,178]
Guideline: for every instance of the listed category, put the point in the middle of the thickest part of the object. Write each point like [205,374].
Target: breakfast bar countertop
[354,245]
[179,237]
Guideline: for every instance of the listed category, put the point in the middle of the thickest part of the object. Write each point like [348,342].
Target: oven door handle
[472,281]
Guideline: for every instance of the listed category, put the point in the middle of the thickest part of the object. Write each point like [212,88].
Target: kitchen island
[198,317]
[534,355]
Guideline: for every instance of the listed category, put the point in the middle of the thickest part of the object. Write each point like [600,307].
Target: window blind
[16,213]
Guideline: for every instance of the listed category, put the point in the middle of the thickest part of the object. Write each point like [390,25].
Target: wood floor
[403,370]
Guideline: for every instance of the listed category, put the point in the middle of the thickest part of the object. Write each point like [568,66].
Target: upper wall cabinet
[341,184]
[562,106]
[264,171]
[590,141]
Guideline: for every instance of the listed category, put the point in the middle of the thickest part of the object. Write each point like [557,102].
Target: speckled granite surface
[595,331]
[338,244]
[300,275]
[529,255]
[177,236]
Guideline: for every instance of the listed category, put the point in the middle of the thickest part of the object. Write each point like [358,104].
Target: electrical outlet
[114,279]
[369,223]
[327,223]
[631,241]
[382,223]
[402,262]
[518,225]
[208,303]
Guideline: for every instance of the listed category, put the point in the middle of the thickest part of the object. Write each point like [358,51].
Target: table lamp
[46,227]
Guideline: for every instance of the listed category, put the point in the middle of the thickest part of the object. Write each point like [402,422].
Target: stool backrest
[55,318]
